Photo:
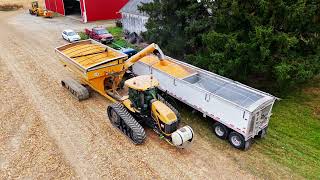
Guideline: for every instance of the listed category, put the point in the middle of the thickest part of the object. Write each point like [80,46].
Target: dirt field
[45,133]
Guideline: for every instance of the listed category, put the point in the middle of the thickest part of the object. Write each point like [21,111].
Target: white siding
[134,23]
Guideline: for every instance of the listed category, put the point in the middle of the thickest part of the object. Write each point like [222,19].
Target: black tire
[220,130]
[237,140]
[126,123]
[263,133]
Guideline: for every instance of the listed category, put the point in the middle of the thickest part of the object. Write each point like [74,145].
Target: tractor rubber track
[77,90]
[126,123]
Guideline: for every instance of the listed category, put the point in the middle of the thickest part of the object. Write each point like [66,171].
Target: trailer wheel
[237,140]
[220,130]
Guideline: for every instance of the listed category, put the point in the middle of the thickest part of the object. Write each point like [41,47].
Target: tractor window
[151,93]
[134,97]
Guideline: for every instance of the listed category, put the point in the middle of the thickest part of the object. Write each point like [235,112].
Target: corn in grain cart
[137,103]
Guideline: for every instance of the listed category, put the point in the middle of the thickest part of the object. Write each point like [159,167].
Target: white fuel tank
[182,137]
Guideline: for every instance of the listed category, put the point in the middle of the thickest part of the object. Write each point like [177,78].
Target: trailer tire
[238,141]
[220,130]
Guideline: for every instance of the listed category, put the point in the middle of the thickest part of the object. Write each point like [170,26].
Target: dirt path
[84,143]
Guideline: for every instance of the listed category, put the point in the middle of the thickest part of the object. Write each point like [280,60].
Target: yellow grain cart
[96,65]
[102,68]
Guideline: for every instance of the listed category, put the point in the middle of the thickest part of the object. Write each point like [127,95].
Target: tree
[177,25]
[275,41]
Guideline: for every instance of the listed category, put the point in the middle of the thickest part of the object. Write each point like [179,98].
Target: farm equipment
[136,101]
[239,112]
[36,10]
[47,14]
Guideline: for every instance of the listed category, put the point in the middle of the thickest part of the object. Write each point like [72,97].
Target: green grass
[116,32]
[118,36]
[294,134]
[83,35]
[292,146]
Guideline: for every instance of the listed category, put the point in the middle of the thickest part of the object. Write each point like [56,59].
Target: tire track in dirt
[25,148]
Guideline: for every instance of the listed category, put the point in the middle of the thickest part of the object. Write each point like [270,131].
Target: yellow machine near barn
[136,102]
[38,11]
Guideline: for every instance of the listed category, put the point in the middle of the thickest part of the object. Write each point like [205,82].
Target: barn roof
[132,7]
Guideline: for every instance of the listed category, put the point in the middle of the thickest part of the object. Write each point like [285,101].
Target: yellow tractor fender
[128,104]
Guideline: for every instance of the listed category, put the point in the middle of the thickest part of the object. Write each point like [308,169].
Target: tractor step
[77,90]
[123,120]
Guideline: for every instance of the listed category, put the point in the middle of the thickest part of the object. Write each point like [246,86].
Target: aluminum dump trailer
[239,112]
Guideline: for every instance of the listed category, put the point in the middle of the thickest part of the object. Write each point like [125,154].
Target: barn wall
[83,11]
[134,23]
[55,5]
[103,9]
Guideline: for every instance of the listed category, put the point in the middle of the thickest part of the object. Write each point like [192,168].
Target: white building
[132,19]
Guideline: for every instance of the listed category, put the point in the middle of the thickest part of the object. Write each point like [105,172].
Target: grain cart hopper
[135,103]
[239,112]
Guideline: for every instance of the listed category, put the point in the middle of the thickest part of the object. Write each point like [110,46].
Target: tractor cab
[142,90]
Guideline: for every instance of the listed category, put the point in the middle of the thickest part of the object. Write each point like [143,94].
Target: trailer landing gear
[262,134]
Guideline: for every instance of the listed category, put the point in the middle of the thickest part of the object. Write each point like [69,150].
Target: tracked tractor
[38,11]
[144,106]
[136,101]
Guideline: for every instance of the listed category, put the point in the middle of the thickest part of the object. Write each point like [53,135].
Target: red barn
[90,10]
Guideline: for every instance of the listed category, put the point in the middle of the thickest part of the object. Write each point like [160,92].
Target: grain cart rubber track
[76,89]
[123,120]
